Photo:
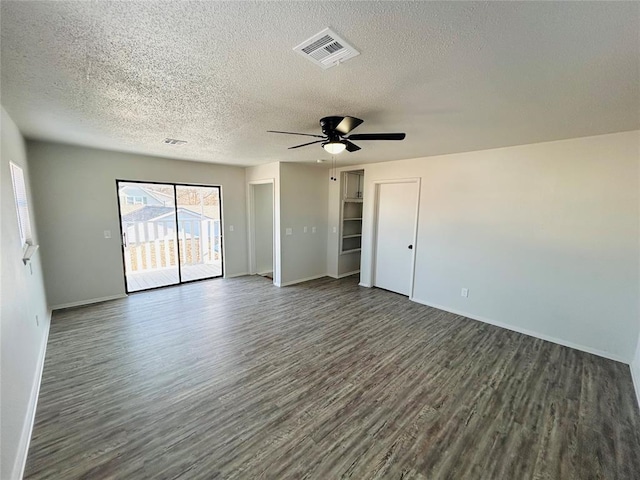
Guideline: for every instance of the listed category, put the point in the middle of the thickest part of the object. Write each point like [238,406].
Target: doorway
[261,213]
[171,233]
[395,235]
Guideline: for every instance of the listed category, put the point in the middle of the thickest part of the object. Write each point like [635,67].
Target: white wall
[263,224]
[256,175]
[75,199]
[303,203]
[23,342]
[544,236]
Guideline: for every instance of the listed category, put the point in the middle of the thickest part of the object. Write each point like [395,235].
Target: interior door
[148,228]
[397,205]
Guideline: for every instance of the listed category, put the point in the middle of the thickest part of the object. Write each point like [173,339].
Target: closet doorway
[171,233]
[262,228]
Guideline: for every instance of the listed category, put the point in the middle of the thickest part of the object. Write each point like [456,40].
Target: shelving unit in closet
[351,222]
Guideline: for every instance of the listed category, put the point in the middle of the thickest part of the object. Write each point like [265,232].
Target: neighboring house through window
[133,200]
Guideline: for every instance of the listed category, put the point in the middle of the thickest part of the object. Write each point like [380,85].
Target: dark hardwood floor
[325,380]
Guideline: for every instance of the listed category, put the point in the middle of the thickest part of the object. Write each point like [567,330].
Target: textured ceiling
[455,76]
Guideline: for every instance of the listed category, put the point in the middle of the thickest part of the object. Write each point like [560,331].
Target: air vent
[173,141]
[326,49]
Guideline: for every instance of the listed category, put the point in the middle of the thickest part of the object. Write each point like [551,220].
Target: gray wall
[544,236]
[263,224]
[23,297]
[75,200]
[303,203]
[635,370]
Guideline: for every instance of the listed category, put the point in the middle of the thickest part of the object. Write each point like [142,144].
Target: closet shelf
[351,213]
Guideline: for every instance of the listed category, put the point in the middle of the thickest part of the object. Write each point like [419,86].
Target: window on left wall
[22,204]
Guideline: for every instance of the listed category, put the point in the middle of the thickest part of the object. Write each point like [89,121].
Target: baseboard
[635,376]
[88,302]
[348,274]
[525,331]
[242,274]
[301,280]
[363,284]
[27,428]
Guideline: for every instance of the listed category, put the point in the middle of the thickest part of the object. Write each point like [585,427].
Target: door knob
[410,247]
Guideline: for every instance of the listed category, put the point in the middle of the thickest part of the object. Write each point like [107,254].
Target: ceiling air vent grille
[173,141]
[326,49]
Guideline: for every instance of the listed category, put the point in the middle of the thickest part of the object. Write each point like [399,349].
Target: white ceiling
[455,76]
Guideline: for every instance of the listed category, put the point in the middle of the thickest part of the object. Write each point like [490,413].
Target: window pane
[22,203]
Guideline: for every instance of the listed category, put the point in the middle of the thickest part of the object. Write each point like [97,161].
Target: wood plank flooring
[237,379]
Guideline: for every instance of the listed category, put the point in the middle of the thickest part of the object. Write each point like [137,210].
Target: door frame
[374,238]
[174,185]
[252,230]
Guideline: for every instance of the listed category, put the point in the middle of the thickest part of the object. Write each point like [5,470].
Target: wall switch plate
[313,230]
[107,234]
[288,231]
[231,228]
[335,230]
[464,292]
[305,229]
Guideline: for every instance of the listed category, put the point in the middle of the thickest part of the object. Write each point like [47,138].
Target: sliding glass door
[199,232]
[171,233]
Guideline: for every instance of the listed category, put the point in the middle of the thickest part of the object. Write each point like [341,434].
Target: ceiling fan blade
[351,147]
[347,124]
[377,136]
[295,133]
[305,144]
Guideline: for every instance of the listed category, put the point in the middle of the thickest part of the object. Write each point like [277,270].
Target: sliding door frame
[179,264]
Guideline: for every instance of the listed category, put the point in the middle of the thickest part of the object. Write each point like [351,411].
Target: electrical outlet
[288,231]
[464,292]
[313,230]
[107,234]
[335,229]
[231,228]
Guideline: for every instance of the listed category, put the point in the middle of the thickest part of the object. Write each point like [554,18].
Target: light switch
[288,231]
[305,229]
[335,229]
[231,228]
[107,234]
[313,229]
[464,292]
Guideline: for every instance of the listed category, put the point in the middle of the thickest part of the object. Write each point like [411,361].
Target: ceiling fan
[335,138]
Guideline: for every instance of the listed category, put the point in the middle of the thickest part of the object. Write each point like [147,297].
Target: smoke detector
[326,49]
[173,141]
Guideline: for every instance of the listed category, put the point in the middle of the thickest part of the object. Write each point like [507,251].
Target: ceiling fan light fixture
[334,147]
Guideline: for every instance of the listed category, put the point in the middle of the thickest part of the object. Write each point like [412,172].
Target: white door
[395,233]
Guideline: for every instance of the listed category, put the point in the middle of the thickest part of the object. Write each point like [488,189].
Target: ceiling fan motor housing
[329,125]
